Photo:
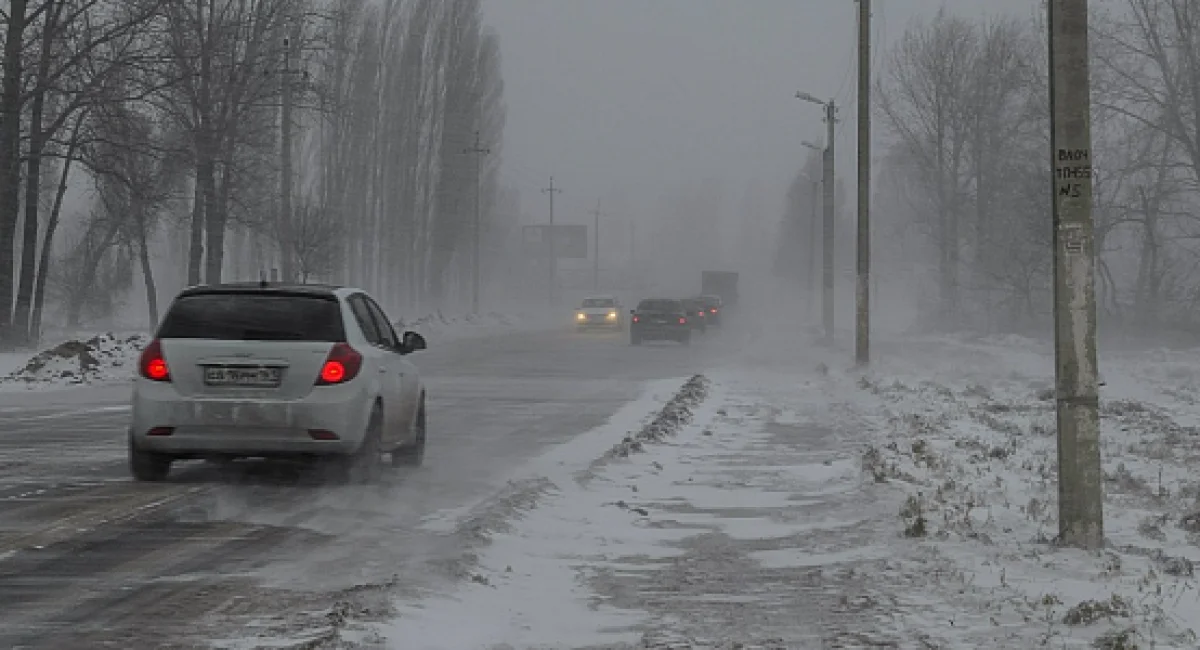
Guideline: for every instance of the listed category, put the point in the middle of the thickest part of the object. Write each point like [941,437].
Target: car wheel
[148,466]
[366,464]
[413,455]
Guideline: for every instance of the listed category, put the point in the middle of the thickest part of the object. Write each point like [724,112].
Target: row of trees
[317,138]
[962,201]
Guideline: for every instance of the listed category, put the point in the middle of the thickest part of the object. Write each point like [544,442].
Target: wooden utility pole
[552,262]
[862,329]
[477,228]
[1080,488]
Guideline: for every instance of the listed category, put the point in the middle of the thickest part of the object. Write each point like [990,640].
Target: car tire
[413,455]
[366,464]
[147,466]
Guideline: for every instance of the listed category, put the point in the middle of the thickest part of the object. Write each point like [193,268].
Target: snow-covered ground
[803,504]
[108,357]
[967,431]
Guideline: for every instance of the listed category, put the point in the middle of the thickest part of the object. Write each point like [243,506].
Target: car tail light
[713,310]
[152,365]
[342,365]
[322,434]
[682,321]
[636,319]
[161,431]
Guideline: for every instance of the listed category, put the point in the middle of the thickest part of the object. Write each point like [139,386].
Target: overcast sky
[631,98]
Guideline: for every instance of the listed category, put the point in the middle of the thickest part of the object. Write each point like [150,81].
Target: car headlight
[612,315]
[580,316]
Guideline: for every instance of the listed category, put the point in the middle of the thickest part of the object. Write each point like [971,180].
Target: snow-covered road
[89,559]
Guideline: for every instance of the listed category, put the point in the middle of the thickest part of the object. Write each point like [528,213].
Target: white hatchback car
[277,371]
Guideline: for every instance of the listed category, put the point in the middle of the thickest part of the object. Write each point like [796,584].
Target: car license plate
[247,377]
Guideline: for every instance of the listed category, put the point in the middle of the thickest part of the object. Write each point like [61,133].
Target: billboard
[570,241]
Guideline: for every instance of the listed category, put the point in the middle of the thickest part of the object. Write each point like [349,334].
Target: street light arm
[811,98]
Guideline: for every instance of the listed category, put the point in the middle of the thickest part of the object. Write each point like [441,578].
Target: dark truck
[660,319]
[722,284]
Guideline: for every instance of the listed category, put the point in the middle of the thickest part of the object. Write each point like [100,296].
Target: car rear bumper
[240,427]
[666,332]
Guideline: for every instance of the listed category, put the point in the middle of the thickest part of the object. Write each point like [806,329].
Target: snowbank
[105,357]
[442,328]
[967,430]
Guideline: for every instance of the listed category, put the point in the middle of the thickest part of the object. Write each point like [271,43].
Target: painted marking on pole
[1072,237]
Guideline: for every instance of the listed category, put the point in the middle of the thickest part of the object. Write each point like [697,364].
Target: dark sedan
[660,319]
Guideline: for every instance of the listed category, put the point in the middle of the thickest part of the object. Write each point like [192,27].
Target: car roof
[661,300]
[600,296]
[270,288]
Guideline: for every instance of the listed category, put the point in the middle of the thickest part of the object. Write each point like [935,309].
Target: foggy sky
[632,99]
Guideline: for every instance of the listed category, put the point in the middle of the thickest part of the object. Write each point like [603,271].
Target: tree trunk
[217,218]
[43,270]
[10,158]
[22,319]
[74,309]
[204,172]
[147,273]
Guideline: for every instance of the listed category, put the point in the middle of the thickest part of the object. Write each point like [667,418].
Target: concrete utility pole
[812,229]
[862,329]
[1080,489]
[552,262]
[477,229]
[828,180]
[596,247]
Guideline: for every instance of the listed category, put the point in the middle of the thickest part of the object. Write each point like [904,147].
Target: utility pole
[1080,490]
[477,229]
[828,199]
[862,327]
[596,247]
[287,101]
[552,262]
[827,177]
[812,229]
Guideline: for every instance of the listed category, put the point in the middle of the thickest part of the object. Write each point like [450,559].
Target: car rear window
[598,302]
[254,317]
[660,305]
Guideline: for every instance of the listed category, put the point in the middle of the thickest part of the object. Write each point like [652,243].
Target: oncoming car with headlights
[277,371]
[599,312]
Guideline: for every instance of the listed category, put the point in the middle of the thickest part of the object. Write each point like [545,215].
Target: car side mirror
[411,342]
[632,311]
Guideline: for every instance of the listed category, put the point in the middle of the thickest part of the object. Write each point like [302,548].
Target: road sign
[571,241]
